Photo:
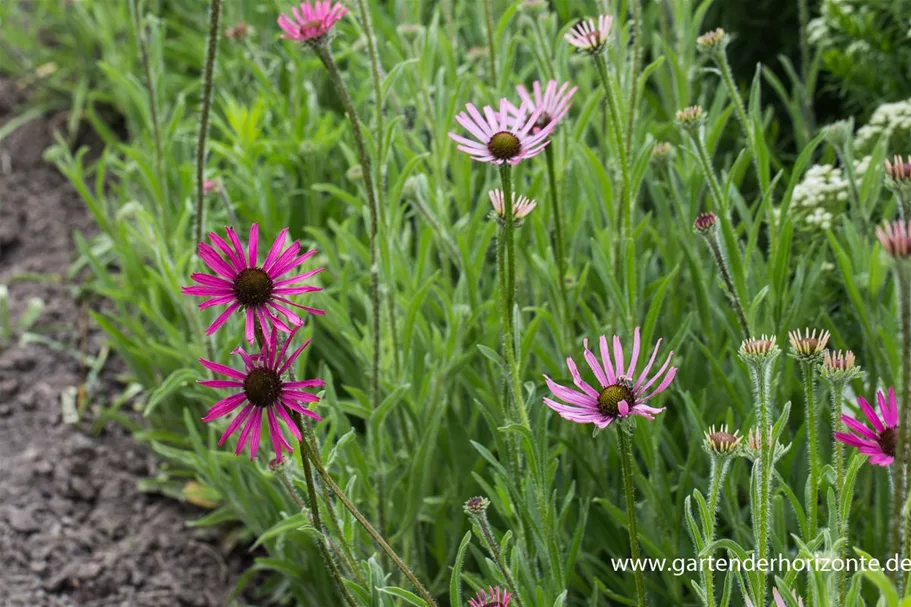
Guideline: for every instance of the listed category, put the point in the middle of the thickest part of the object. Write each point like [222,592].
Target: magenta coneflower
[262,389]
[588,37]
[500,137]
[256,291]
[620,395]
[880,442]
[311,21]
[521,206]
[493,597]
[554,102]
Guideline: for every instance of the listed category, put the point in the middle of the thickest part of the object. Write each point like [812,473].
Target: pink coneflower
[256,290]
[880,442]
[210,185]
[521,206]
[262,388]
[620,395]
[554,102]
[493,597]
[589,38]
[501,138]
[895,237]
[311,21]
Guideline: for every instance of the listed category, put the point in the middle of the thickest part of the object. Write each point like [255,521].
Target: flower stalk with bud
[807,348]
[759,354]
[476,508]
[721,445]
[898,179]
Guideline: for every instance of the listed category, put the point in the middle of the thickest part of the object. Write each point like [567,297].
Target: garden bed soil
[74,528]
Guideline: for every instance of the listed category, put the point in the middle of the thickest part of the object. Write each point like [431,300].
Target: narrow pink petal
[634,358]
[250,326]
[662,386]
[207,291]
[618,356]
[280,407]
[254,417]
[255,434]
[219,265]
[220,383]
[870,413]
[657,374]
[225,406]
[253,245]
[570,396]
[222,318]
[234,425]
[275,434]
[302,410]
[293,357]
[859,428]
[605,358]
[307,383]
[211,281]
[277,245]
[222,369]
[571,413]
[595,366]
[238,247]
[219,242]
[216,301]
[623,408]
[577,379]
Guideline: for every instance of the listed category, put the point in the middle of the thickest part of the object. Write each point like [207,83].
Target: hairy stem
[208,73]
[494,550]
[838,456]
[761,378]
[510,345]
[901,460]
[559,247]
[721,261]
[808,371]
[719,469]
[626,465]
[353,509]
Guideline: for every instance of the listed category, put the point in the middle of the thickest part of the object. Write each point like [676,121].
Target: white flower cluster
[886,120]
[823,192]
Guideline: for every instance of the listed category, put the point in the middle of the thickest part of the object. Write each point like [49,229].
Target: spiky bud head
[839,367]
[752,449]
[713,42]
[721,441]
[690,119]
[808,346]
[705,224]
[758,350]
[840,133]
[895,236]
[476,506]
[662,151]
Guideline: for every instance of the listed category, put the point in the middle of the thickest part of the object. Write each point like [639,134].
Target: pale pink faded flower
[311,22]
[499,137]
[590,37]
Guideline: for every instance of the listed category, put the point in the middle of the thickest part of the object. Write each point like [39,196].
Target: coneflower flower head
[257,291]
[476,506]
[500,137]
[752,449]
[622,393]
[493,597]
[839,367]
[713,41]
[590,37]
[554,101]
[261,389]
[311,22]
[895,238]
[880,441]
[808,347]
[705,223]
[898,179]
[759,350]
[721,441]
[521,207]
[691,118]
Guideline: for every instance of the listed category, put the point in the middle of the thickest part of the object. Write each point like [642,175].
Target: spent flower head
[713,41]
[691,118]
[752,448]
[499,136]
[311,23]
[621,394]
[895,236]
[521,207]
[590,37]
[807,346]
[722,441]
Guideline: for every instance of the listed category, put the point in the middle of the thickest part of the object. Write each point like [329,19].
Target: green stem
[634,77]
[509,342]
[760,373]
[718,253]
[705,162]
[809,387]
[559,247]
[491,48]
[494,550]
[380,541]
[626,466]
[838,455]
[332,68]
[208,72]
[719,469]
[901,460]
[317,522]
